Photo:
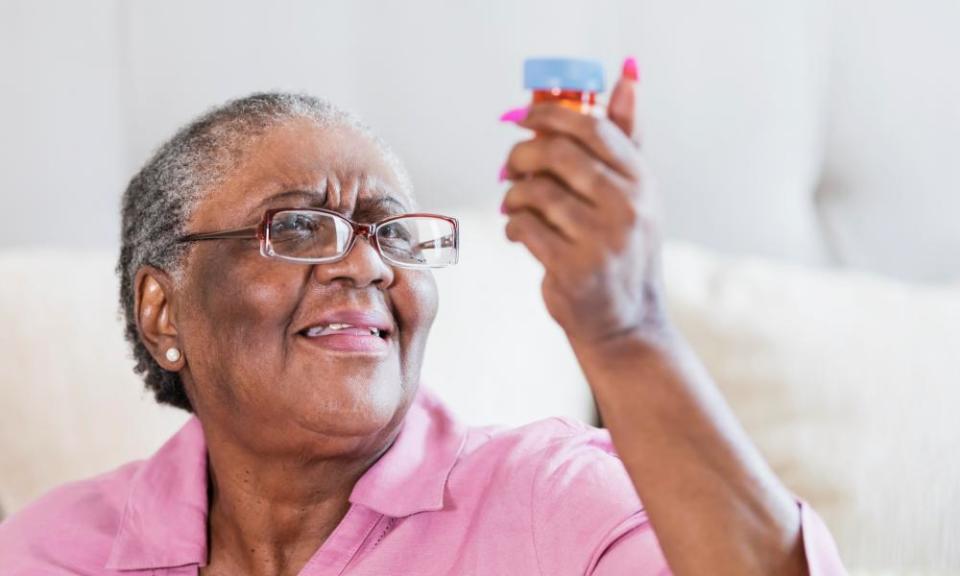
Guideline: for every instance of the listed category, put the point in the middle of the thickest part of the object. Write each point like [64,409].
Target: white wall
[816,130]
[61,135]
[891,177]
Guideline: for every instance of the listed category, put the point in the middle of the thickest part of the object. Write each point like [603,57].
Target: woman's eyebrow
[379,204]
[384,203]
[316,198]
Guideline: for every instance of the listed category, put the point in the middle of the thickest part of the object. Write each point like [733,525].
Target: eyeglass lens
[411,240]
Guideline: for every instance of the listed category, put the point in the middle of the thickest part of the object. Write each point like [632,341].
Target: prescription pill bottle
[571,82]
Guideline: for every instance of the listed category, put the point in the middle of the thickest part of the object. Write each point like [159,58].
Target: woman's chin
[361,406]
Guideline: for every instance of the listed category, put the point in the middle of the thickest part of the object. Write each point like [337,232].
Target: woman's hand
[581,203]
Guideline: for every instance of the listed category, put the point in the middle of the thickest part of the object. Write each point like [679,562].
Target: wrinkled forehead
[301,163]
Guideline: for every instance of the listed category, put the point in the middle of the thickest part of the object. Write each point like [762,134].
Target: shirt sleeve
[588,519]
[584,506]
[636,550]
[823,558]
[633,551]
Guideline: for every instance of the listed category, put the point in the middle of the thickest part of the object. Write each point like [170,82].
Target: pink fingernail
[515,115]
[630,69]
[503,207]
[503,173]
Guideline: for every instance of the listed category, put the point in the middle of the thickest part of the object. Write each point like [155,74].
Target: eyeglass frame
[261,232]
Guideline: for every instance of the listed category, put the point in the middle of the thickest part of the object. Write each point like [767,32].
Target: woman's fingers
[622,106]
[565,159]
[545,243]
[565,212]
[578,203]
[600,136]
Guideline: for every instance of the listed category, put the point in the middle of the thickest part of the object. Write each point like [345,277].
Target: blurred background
[807,153]
[820,131]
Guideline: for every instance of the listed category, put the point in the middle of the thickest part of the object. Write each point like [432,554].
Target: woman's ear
[153,299]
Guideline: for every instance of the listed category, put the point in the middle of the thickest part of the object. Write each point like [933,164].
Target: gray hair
[160,199]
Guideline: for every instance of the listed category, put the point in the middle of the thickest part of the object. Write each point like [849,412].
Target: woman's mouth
[346,337]
[342,328]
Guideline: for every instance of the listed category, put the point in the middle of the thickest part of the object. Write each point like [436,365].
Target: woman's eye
[304,223]
[395,233]
[296,224]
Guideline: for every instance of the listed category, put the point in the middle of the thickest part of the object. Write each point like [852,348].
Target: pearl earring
[173,354]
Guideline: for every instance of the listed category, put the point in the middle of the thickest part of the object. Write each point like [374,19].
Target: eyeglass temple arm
[445,242]
[224,235]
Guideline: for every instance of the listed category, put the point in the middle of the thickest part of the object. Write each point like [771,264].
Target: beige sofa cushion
[70,404]
[850,384]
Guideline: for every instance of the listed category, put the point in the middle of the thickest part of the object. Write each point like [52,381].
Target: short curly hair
[160,198]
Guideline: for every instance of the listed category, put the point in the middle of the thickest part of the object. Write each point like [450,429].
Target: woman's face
[241,318]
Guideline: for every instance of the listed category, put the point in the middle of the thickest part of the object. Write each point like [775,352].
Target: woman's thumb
[621,108]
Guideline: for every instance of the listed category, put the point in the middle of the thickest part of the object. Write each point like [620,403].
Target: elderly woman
[276,283]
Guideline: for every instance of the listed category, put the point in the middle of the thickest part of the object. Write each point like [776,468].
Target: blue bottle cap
[562,73]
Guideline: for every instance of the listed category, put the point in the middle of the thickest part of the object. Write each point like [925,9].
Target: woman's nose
[362,265]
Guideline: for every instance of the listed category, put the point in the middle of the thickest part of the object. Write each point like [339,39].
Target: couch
[848,382]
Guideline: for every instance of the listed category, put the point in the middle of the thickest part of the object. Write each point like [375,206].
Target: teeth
[336,326]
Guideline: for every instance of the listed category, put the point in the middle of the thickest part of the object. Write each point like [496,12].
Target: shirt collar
[412,475]
[164,522]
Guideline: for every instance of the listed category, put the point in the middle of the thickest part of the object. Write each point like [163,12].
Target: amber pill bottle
[571,82]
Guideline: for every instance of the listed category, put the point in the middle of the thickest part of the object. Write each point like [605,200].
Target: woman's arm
[713,502]
[581,203]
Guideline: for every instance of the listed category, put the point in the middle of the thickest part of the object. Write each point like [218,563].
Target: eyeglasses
[319,236]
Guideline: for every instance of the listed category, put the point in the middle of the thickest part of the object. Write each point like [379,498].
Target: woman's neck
[269,512]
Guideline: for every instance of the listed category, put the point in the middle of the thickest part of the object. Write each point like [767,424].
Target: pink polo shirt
[548,498]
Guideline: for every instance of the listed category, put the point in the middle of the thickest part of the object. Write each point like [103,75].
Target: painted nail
[630,69]
[503,173]
[503,207]
[514,115]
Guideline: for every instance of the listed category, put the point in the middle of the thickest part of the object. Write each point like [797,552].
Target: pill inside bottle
[571,82]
